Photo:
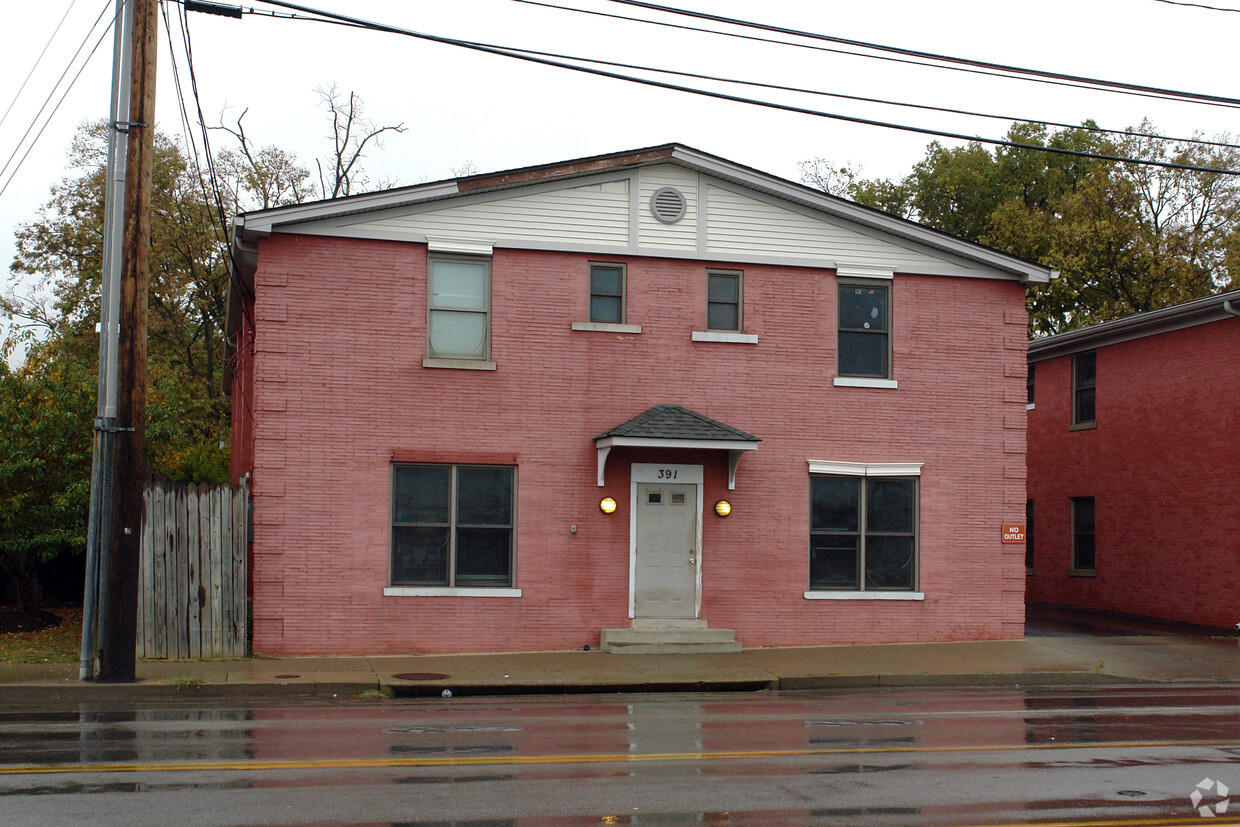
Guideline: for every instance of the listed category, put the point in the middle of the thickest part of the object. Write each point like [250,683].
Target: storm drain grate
[421,676]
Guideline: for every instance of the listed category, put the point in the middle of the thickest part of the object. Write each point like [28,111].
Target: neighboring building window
[1029,385]
[459,323]
[864,330]
[1029,535]
[607,293]
[452,525]
[1083,534]
[723,301]
[1084,387]
[863,533]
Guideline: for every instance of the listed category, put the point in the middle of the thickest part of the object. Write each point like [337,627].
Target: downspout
[1228,307]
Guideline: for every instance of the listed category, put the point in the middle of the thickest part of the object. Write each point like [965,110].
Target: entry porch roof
[673,426]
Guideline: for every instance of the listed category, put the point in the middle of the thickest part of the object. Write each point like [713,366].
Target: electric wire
[52,94]
[1198,6]
[50,115]
[863,99]
[504,52]
[37,61]
[880,57]
[1001,67]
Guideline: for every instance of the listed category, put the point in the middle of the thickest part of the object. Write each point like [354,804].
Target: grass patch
[187,682]
[58,643]
[371,694]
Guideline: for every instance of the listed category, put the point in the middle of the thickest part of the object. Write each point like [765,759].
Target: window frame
[862,472]
[1077,534]
[1079,389]
[623,295]
[450,585]
[843,284]
[1030,385]
[438,359]
[739,276]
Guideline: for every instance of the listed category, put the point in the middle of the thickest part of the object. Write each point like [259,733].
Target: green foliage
[45,456]
[1126,238]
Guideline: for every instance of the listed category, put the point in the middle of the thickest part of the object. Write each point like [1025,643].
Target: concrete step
[645,641]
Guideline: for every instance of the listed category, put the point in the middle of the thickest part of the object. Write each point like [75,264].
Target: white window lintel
[865,469]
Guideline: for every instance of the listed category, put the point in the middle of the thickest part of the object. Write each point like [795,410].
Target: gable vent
[668,205]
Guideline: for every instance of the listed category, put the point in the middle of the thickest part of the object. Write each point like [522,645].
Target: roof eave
[1137,326]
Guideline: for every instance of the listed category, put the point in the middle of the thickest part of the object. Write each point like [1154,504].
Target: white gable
[610,213]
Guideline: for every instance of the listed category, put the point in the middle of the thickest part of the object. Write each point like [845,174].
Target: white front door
[665,570]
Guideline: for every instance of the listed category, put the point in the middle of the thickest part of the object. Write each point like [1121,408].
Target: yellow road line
[604,758]
[1173,821]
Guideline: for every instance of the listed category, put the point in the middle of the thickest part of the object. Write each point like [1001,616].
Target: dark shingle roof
[675,422]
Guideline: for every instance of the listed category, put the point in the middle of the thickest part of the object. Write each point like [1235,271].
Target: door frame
[649,472]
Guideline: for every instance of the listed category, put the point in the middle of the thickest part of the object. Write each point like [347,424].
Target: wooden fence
[193,571]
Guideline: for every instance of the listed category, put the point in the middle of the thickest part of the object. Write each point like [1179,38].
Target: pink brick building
[511,411]
[1133,450]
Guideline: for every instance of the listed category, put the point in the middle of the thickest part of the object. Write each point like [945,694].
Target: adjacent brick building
[1134,443]
[645,398]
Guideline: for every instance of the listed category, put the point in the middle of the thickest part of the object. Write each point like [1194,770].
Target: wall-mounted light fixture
[723,508]
[607,505]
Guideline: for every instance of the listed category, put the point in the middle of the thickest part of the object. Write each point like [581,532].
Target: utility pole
[118,638]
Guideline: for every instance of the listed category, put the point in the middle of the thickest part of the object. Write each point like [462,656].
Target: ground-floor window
[452,525]
[1083,534]
[863,533]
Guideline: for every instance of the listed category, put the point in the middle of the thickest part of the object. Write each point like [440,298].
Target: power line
[1037,73]
[50,95]
[863,99]
[55,109]
[37,61]
[880,57]
[503,52]
[1198,6]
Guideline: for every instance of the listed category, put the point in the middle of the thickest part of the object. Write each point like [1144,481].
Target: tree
[1126,238]
[350,134]
[45,456]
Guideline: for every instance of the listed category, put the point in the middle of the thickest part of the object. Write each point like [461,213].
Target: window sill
[834,595]
[1083,426]
[607,327]
[862,382]
[724,336]
[458,364]
[1029,406]
[1082,573]
[447,591]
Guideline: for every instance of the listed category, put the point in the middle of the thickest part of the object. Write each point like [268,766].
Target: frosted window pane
[459,284]
[458,335]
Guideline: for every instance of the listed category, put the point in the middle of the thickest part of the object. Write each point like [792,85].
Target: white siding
[740,225]
[594,214]
[651,232]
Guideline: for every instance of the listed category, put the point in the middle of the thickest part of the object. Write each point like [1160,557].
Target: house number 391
[667,473]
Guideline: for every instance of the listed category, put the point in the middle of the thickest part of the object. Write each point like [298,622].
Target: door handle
[692,553]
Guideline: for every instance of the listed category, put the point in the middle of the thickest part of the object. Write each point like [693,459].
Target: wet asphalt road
[1123,756]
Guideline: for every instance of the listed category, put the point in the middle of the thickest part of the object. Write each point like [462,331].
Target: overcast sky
[462,107]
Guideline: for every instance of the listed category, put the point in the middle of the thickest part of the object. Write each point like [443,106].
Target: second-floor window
[1084,387]
[607,293]
[459,313]
[864,330]
[723,301]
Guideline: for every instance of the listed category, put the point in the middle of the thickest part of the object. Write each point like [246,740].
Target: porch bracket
[602,462]
[734,459]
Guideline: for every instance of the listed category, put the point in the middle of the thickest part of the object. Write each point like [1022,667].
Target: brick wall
[1161,466]
[340,385]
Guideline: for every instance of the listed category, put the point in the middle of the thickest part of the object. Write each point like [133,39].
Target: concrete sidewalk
[1058,650]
